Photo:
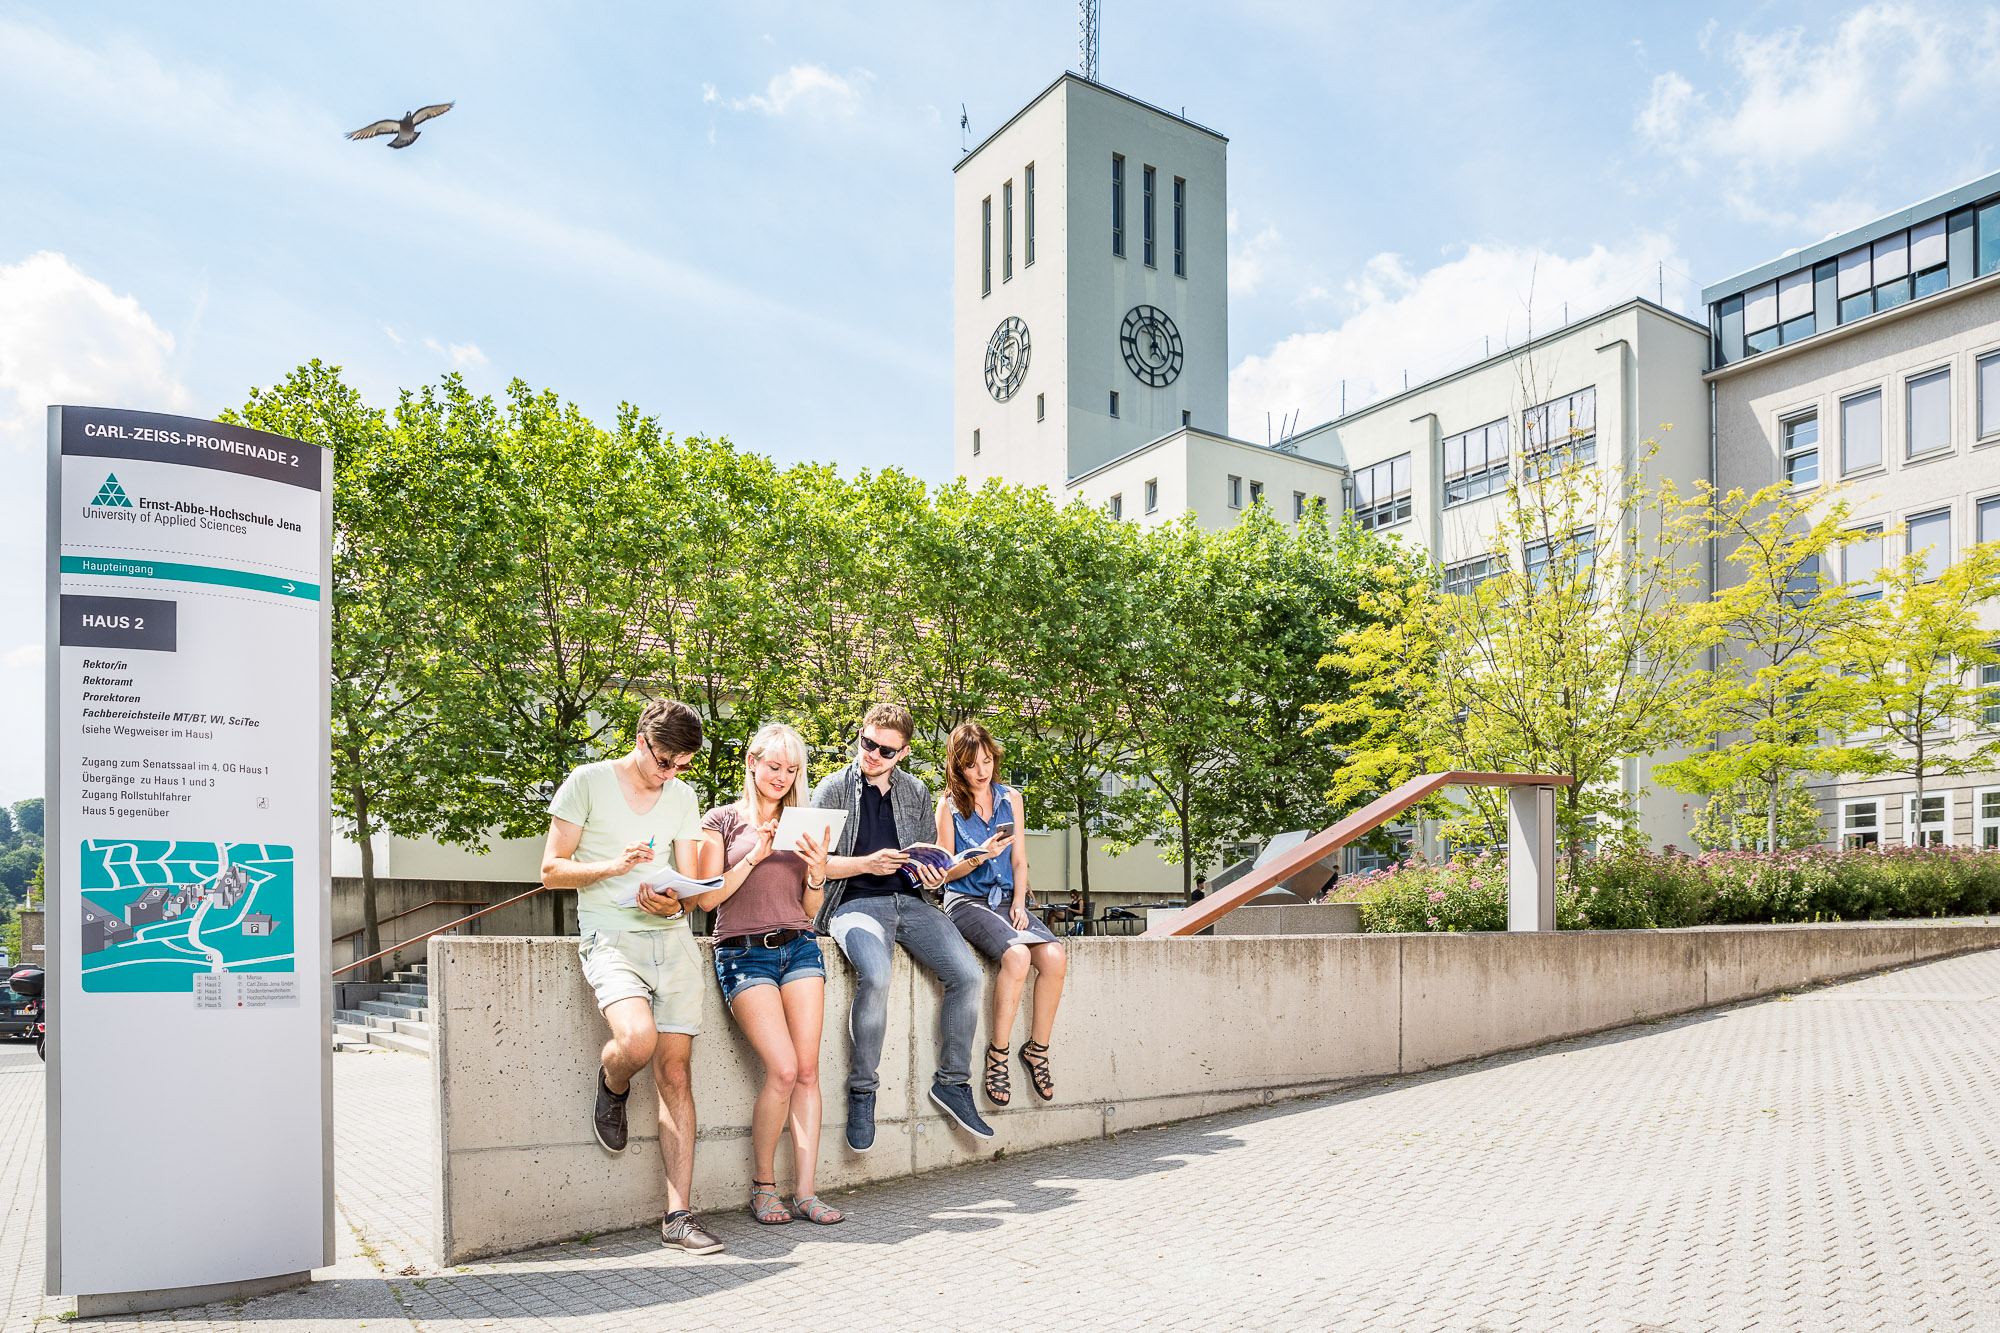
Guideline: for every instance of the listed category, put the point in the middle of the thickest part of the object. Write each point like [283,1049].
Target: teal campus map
[155,914]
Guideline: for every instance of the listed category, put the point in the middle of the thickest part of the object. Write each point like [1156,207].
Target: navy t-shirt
[876,830]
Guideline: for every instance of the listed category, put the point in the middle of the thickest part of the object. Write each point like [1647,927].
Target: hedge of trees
[512,581]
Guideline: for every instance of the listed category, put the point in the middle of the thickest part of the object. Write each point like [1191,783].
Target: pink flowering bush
[1631,888]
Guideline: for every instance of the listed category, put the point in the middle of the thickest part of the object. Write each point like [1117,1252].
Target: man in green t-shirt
[608,823]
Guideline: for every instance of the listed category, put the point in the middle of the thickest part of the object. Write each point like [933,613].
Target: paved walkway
[1829,1160]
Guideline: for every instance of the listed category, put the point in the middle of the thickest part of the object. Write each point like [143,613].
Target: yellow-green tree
[1777,700]
[1572,649]
[1914,662]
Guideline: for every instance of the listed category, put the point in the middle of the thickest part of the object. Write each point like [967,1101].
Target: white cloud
[394,337]
[1253,261]
[1791,102]
[1425,323]
[810,88]
[65,337]
[27,655]
[463,356]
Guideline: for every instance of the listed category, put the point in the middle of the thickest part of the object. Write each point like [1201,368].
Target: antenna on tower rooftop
[1087,47]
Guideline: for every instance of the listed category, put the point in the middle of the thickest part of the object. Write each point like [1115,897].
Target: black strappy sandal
[1035,1055]
[997,1090]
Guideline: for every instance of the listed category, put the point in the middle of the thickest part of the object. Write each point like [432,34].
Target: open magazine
[663,879]
[936,857]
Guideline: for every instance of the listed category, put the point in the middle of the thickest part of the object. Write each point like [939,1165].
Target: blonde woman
[986,897]
[768,962]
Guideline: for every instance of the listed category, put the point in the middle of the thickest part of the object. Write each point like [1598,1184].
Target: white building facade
[1869,363]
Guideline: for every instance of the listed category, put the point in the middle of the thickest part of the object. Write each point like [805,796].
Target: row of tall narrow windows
[1006,230]
[1148,215]
[1927,418]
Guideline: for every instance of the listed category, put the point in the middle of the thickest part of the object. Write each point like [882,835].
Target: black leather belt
[771,939]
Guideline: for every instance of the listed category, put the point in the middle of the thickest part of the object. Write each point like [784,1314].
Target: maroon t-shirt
[773,897]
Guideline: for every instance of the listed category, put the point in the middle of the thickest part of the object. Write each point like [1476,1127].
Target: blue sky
[737,217]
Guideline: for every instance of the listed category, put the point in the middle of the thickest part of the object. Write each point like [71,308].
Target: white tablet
[797,819]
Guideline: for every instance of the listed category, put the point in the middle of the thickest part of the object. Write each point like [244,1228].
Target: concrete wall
[1140,1040]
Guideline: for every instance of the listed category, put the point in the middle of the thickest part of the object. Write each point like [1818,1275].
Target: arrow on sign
[286,586]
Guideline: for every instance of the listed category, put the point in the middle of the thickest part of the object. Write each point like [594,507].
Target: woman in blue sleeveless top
[987,899]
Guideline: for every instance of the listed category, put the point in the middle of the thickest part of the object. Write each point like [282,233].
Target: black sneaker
[680,1229]
[955,1100]
[860,1121]
[609,1118]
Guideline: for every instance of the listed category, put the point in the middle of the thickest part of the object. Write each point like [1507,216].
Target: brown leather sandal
[997,1089]
[1035,1055]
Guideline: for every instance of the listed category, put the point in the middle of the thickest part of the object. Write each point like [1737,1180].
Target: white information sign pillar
[1531,858]
[189,1074]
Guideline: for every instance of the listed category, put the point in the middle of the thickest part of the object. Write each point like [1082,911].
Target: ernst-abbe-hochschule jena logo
[110,495]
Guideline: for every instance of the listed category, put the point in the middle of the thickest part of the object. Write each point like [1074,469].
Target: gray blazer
[909,801]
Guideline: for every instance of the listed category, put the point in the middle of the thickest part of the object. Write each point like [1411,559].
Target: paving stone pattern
[1829,1160]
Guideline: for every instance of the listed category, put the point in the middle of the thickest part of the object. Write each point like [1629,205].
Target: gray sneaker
[860,1121]
[681,1229]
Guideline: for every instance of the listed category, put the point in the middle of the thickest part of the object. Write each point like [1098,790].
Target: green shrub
[1631,888]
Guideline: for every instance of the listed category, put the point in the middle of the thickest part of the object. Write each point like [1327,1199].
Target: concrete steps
[396,1020]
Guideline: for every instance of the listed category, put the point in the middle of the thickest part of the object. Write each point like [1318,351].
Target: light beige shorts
[662,967]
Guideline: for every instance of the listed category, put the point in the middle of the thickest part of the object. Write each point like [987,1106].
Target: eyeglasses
[681,765]
[886,751]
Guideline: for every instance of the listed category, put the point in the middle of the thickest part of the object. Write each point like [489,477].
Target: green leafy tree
[8,834]
[1914,661]
[1777,698]
[1574,654]
[1738,817]
[1075,655]
[407,733]
[28,816]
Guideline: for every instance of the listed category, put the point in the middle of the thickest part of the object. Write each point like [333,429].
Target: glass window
[1930,537]
[1475,463]
[1298,506]
[1795,296]
[1382,493]
[1118,506]
[1114,402]
[1892,257]
[1930,412]
[1040,407]
[1860,824]
[975,444]
[1934,828]
[1564,429]
[1804,584]
[1028,189]
[1187,417]
[1927,245]
[1989,688]
[986,246]
[1180,227]
[1856,278]
[1464,577]
[1152,495]
[1802,450]
[1574,556]
[1861,431]
[1236,492]
[1986,818]
[1760,307]
[1989,395]
[1989,520]
[1006,231]
[1256,492]
[1862,560]
[1146,217]
[1117,204]
[1989,239]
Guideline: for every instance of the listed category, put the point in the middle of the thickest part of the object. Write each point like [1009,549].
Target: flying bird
[405,129]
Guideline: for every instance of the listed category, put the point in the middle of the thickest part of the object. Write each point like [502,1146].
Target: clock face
[1006,358]
[1152,345]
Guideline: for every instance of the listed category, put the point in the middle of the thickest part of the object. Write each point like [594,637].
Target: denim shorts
[740,968]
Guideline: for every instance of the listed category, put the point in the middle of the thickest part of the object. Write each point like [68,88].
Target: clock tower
[1090,297]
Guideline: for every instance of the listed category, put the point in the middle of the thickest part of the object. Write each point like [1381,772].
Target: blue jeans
[868,930]
[744,966]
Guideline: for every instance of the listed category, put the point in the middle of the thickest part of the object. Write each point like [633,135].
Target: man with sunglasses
[608,824]
[871,907]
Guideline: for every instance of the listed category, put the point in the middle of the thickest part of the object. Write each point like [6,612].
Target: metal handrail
[418,939]
[435,902]
[1222,902]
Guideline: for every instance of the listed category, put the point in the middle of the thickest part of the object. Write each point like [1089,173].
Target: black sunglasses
[886,751]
